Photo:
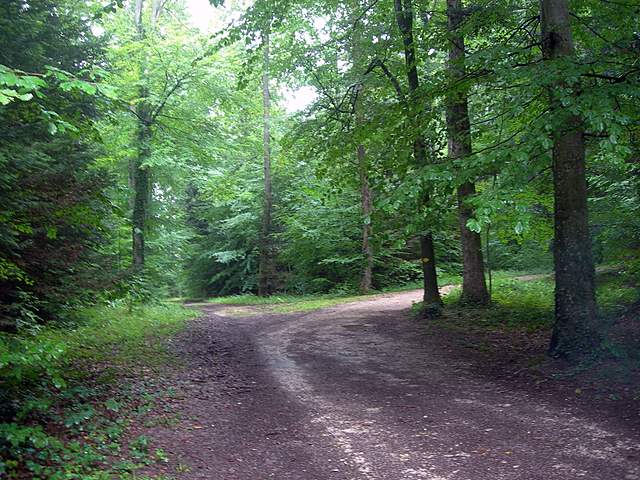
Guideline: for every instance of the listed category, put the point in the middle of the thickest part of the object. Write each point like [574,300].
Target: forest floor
[363,390]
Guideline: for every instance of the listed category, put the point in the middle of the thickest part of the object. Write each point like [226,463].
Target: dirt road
[362,391]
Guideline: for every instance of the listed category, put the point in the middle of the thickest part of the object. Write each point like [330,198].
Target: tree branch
[394,81]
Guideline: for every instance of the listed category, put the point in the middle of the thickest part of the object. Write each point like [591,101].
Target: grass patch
[256,300]
[516,304]
[616,292]
[121,337]
[529,304]
[316,303]
[286,303]
[303,303]
[67,415]
[444,279]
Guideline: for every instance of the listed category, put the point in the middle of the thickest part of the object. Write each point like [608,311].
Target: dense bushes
[53,205]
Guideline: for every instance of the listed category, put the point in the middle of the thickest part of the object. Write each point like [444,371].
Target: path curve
[363,392]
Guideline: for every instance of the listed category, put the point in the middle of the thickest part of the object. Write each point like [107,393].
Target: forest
[475,161]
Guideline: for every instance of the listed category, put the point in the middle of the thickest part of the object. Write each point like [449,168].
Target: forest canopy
[257,159]
[148,153]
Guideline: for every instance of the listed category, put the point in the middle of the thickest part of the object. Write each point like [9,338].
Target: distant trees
[154,151]
[266,268]
[358,63]
[140,179]
[149,102]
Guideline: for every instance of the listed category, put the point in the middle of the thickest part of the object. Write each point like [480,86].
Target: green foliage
[526,302]
[87,96]
[53,206]
[516,304]
[45,381]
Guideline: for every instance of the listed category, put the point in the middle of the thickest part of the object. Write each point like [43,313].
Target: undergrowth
[64,415]
[529,304]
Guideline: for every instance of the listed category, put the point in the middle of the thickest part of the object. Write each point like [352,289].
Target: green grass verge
[528,305]
[510,297]
[303,303]
[74,394]
[283,303]
[309,304]
[123,337]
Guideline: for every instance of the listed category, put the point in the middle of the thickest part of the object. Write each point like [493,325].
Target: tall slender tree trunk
[367,227]
[138,171]
[141,193]
[366,200]
[474,287]
[576,329]
[404,18]
[266,270]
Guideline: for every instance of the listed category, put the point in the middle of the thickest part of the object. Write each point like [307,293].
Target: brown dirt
[363,391]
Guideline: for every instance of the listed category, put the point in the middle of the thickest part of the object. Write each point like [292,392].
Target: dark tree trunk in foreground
[404,17]
[474,287]
[575,331]
[265,275]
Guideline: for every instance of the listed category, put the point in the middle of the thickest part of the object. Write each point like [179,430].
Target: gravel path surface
[362,391]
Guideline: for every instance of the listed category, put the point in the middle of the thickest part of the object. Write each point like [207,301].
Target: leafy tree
[266,274]
[53,208]
[474,289]
[404,12]
[165,156]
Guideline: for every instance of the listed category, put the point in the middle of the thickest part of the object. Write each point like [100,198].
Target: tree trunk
[265,271]
[576,330]
[367,230]
[366,201]
[138,14]
[404,18]
[156,9]
[474,287]
[141,193]
[139,173]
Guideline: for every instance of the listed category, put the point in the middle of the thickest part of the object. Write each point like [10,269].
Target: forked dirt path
[361,391]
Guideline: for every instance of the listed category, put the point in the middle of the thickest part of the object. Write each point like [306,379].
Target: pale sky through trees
[206,17]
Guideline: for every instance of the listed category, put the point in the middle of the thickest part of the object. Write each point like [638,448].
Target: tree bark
[156,9]
[141,193]
[367,229]
[139,172]
[404,17]
[366,200]
[138,13]
[265,271]
[474,287]
[576,329]
[634,159]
